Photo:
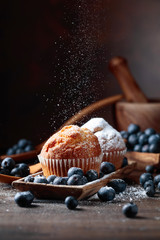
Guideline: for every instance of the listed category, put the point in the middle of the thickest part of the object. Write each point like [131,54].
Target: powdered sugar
[109,138]
[132,193]
[95,124]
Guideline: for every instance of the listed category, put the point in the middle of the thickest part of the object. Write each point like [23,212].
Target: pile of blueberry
[150,183]
[23,145]
[138,141]
[75,176]
[9,167]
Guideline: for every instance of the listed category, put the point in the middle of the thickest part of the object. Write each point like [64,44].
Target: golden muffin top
[71,142]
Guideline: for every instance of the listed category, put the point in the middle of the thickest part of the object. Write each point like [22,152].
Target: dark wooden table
[92,219]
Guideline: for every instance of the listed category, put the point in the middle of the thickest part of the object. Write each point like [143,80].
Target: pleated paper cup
[60,167]
[115,157]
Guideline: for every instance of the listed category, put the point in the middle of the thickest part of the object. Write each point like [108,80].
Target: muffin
[110,140]
[72,146]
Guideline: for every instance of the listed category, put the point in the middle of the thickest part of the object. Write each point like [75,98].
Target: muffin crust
[71,142]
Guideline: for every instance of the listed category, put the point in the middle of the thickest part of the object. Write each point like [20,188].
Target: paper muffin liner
[60,167]
[115,157]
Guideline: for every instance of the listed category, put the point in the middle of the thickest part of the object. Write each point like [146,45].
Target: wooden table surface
[91,220]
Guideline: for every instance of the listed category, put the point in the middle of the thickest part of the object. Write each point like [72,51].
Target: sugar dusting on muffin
[109,138]
[111,142]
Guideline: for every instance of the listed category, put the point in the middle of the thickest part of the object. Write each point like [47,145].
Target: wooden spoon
[119,67]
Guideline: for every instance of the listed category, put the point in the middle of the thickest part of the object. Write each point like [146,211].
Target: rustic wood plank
[93,219]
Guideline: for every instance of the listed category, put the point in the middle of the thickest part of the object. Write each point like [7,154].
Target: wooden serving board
[60,192]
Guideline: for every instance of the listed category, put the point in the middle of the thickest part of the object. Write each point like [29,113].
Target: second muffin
[111,141]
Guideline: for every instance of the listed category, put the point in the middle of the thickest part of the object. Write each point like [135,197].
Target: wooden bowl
[60,192]
[146,115]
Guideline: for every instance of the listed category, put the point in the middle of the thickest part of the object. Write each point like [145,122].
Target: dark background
[54,59]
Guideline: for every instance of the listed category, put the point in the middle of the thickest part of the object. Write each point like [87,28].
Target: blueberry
[119,185]
[148,183]
[149,131]
[145,148]
[157,179]
[154,148]
[124,134]
[145,177]
[133,128]
[4,171]
[71,202]
[158,186]
[137,148]
[15,147]
[91,175]
[29,179]
[143,139]
[106,194]
[10,151]
[150,168]
[8,163]
[75,180]
[84,180]
[16,172]
[51,178]
[24,199]
[107,167]
[28,148]
[24,168]
[19,150]
[22,143]
[154,139]
[101,174]
[40,179]
[60,181]
[130,210]
[139,134]
[66,178]
[75,170]
[150,191]
[133,140]
[125,162]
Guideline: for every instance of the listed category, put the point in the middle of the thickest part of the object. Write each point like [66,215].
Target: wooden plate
[60,192]
[9,179]
[143,159]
